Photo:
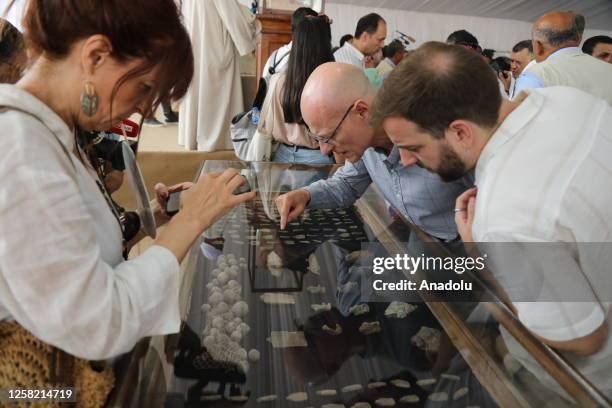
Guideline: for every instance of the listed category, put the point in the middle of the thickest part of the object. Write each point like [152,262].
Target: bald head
[330,90]
[556,30]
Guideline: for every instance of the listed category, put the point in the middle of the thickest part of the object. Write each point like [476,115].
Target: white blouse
[62,275]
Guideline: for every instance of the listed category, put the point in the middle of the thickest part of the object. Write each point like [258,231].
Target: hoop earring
[89,100]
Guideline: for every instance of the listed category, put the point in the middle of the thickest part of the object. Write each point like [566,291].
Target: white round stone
[233,284]
[215,298]
[243,328]
[221,258]
[223,278]
[221,307]
[206,308]
[254,355]
[218,323]
[236,335]
[215,272]
[240,308]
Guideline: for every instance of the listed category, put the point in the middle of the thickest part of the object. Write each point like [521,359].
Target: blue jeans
[295,154]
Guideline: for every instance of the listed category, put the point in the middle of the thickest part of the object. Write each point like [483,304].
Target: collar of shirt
[565,51]
[393,158]
[14,97]
[390,62]
[529,65]
[354,50]
[510,127]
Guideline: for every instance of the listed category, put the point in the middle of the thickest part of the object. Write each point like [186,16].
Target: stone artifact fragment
[409,399]
[327,393]
[352,388]
[385,402]
[285,339]
[438,396]
[368,328]
[399,310]
[335,331]
[426,382]
[297,397]
[359,309]
[267,398]
[399,383]
[324,307]
[460,393]
[278,299]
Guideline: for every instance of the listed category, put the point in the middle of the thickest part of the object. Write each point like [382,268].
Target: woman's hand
[213,196]
[158,204]
[201,205]
[464,214]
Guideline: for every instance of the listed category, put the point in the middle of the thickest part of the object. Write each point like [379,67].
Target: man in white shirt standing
[522,60]
[542,173]
[277,62]
[556,37]
[394,53]
[369,38]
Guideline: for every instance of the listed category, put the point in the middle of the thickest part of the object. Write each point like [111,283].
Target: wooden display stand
[275,32]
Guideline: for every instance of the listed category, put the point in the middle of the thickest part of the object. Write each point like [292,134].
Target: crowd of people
[472,148]
[467,147]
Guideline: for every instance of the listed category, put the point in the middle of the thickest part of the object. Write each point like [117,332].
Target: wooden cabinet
[275,31]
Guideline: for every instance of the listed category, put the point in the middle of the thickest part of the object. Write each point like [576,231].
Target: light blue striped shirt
[417,193]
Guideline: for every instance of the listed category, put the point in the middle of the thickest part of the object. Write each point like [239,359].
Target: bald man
[556,37]
[336,105]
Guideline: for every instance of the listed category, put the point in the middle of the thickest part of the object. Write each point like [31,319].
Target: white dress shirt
[62,275]
[519,86]
[277,60]
[348,54]
[544,177]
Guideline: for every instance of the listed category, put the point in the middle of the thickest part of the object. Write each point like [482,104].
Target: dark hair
[143,29]
[300,14]
[521,45]
[559,36]
[488,52]
[501,64]
[393,48]
[12,53]
[578,22]
[311,48]
[589,45]
[345,38]
[463,37]
[437,84]
[368,24]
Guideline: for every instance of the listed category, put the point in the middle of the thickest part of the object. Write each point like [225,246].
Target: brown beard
[451,167]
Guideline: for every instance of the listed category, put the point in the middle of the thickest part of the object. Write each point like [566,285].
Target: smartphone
[248,185]
[173,205]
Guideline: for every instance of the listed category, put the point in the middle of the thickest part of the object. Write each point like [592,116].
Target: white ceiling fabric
[428,20]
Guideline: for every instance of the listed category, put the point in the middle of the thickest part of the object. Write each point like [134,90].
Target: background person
[13,56]
[370,36]
[312,40]
[556,37]
[599,47]
[539,162]
[278,60]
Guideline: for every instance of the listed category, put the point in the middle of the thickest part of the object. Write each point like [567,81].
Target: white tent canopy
[498,24]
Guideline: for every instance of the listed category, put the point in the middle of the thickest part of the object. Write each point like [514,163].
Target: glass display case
[278,318]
